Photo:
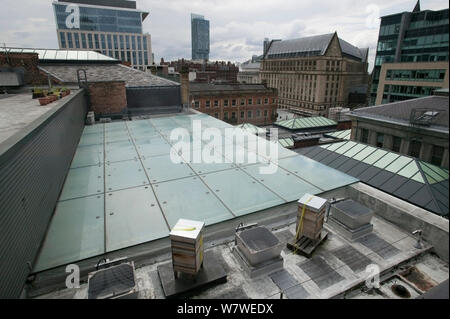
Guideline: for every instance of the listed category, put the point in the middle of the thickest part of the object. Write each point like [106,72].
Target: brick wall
[29,63]
[223,112]
[108,97]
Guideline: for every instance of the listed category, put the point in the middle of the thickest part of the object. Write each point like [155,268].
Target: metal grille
[111,282]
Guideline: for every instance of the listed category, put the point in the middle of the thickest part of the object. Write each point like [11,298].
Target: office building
[316,73]
[200,37]
[415,44]
[111,27]
[416,127]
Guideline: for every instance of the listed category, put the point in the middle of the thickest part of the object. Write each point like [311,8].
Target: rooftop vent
[424,117]
[115,282]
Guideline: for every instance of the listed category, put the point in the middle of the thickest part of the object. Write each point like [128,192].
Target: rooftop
[313,45]
[17,111]
[336,270]
[400,112]
[123,189]
[211,87]
[62,56]
[410,179]
[67,74]
[306,123]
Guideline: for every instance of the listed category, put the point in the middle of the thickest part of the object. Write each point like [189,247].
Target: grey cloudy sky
[238,27]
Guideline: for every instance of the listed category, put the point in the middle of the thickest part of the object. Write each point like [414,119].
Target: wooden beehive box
[187,246]
[313,216]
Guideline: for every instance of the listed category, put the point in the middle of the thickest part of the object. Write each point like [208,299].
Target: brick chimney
[184,76]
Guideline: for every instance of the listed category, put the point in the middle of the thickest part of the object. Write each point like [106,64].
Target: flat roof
[19,110]
[123,189]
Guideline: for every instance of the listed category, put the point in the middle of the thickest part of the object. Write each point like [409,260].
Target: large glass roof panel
[218,163]
[418,177]
[91,139]
[443,173]
[120,151]
[364,153]
[121,175]
[286,185]
[76,232]
[152,147]
[133,217]
[398,164]
[409,170]
[315,173]
[189,198]
[84,181]
[88,155]
[430,174]
[97,128]
[115,136]
[333,147]
[345,148]
[374,157]
[241,156]
[61,55]
[386,160]
[241,193]
[162,168]
[355,150]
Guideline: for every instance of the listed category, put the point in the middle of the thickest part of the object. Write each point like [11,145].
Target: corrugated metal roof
[408,178]
[306,122]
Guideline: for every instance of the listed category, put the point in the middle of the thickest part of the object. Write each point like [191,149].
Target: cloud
[238,27]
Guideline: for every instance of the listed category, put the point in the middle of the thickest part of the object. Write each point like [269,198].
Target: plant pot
[44,101]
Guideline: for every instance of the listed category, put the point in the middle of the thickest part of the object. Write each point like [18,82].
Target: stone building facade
[316,73]
[235,104]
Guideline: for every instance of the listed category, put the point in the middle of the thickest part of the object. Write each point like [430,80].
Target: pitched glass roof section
[343,135]
[410,179]
[286,142]
[306,123]
[248,127]
[48,55]
[123,189]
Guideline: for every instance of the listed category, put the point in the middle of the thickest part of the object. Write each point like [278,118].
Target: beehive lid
[313,203]
[187,230]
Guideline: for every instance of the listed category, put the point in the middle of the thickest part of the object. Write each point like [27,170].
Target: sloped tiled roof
[408,178]
[401,111]
[67,74]
[314,45]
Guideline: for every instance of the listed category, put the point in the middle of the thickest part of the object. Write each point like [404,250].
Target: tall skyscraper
[413,49]
[112,27]
[200,37]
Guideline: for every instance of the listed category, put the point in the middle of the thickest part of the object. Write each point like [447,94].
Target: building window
[414,148]
[380,139]
[91,42]
[265,113]
[396,142]
[69,40]
[233,115]
[266,101]
[364,135]
[242,101]
[258,101]
[250,101]
[225,103]
[208,103]
[216,103]
[437,154]
[249,114]
[225,115]
[196,104]
[258,113]
[63,40]
[233,102]
[242,115]
[216,115]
